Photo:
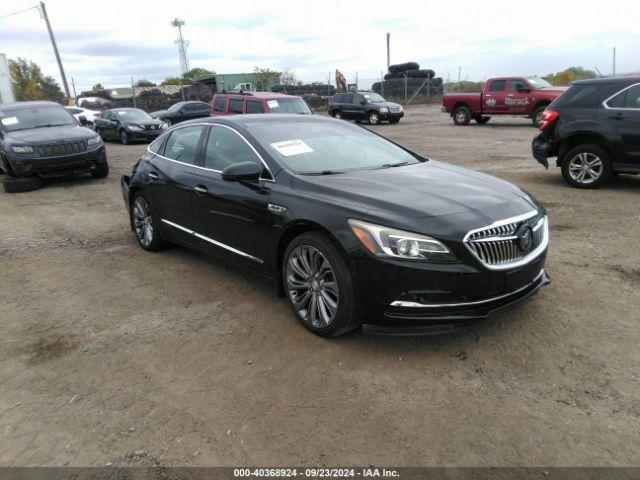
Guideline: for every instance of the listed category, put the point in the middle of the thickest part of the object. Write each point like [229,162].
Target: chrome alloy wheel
[142,222]
[585,168]
[461,116]
[312,286]
[374,119]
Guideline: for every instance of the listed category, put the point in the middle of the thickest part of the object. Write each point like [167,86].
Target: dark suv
[41,140]
[364,106]
[181,111]
[593,129]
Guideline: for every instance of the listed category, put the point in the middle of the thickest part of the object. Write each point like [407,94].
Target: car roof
[7,107]
[260,95]
[608,80]
[120,109]
[247,120]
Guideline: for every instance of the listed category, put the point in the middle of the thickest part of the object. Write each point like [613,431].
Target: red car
[257,102]
[516,96]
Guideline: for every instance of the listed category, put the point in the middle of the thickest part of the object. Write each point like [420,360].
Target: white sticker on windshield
[273,103]
[9,121]
[122,113]
[291,147]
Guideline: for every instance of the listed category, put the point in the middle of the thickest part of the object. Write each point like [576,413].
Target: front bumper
[405,298]
[542,148]
[144,135]
[391,115]
[59,166]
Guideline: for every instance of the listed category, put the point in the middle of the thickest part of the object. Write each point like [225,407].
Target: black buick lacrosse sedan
[354,229]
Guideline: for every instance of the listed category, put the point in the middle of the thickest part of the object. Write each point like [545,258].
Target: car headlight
[164,125]
[383,109]
[94,141]
[134,128]
[390,242]
[23,149]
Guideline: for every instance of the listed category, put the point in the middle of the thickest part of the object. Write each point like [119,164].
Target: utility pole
[388,50]
[43,14]
[73,84]
[614,61]
[133,94]
[459,70]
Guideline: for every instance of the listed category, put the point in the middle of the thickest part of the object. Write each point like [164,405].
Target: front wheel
[145,225]
[124,138]
[319,285]
[374,118]
[101,170]
[586,166]
[394,120]
[462,116]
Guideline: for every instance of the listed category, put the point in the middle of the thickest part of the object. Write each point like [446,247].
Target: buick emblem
[524,237]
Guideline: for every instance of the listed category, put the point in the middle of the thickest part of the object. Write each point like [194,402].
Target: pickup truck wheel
[482,120]
[586,166]
[462,116]
[21,184]
[537,115]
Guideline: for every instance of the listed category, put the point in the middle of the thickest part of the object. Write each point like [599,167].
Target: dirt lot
[110,354]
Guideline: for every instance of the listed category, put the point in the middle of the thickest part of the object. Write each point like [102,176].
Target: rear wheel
[586,166]
[124,138]
[537,115]
[21,184]
[319,285]
[462,116]
[145,225]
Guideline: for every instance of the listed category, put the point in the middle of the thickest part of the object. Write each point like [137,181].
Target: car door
[347,107]
[359,107]
[517,99]
[171,177]
[623,114]
[494,98]
[232,218]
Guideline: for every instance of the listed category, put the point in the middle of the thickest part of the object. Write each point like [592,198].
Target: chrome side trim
[604,103]
[264,164]
[211,240]
[400,303]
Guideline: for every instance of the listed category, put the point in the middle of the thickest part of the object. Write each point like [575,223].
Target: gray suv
[364,106]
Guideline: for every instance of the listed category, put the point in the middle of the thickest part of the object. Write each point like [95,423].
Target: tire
[101,170]
[21,184]
[537,113]
[394,120]
[141,218]
[374,118]
[461,116]
[598,161]
[124,138]
[332,294]
[337,114]
[482,120]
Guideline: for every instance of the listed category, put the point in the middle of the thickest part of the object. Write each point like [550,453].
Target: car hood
[430,189]
[387,104]
[553,89]
[158,113]
[50,134]
[143,124]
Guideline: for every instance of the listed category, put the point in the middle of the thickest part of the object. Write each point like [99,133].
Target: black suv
[181,111]
[594,131]
[364,106]
[128,125]
[41,140]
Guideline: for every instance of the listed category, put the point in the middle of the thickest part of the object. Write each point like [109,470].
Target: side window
[514,85]
[357,98]
[182,145]
[189,107]
[347,98]
[254,106]
[106,115]
[226,147]
[235,105]
[497,86]
[202,107]
[219,104]
[630,98]
[155,145]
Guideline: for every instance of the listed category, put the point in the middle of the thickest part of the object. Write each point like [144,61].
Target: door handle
[200,190]
[153,175]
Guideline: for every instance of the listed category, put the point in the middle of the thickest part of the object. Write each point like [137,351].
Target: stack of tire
[393,85]
[308,89]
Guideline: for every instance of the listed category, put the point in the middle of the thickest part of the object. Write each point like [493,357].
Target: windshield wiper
[391,165]
[52,125]
[324,172]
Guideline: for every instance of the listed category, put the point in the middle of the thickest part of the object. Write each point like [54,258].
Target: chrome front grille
[55,150]
[497,246]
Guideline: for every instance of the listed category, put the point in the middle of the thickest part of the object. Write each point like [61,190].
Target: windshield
[328,147]
[133,115]
[538,82]
[288,105]
[175,107]
[373,97]
[35,117]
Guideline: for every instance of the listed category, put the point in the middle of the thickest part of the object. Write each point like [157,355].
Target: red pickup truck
[517,96]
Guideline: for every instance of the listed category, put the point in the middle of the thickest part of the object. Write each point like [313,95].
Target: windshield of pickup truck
[29,117]
[538,82]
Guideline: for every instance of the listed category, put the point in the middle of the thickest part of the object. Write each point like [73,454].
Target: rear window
[254,106]
[582,96]
[219,104]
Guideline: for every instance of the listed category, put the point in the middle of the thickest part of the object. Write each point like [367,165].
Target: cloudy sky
[110,41]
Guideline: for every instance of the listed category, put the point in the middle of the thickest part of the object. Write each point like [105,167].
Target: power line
[19,11]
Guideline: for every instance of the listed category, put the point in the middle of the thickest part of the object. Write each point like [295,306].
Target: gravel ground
[110,354]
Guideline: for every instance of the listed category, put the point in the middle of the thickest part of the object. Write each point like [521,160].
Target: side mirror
[242,172]
[83,120]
